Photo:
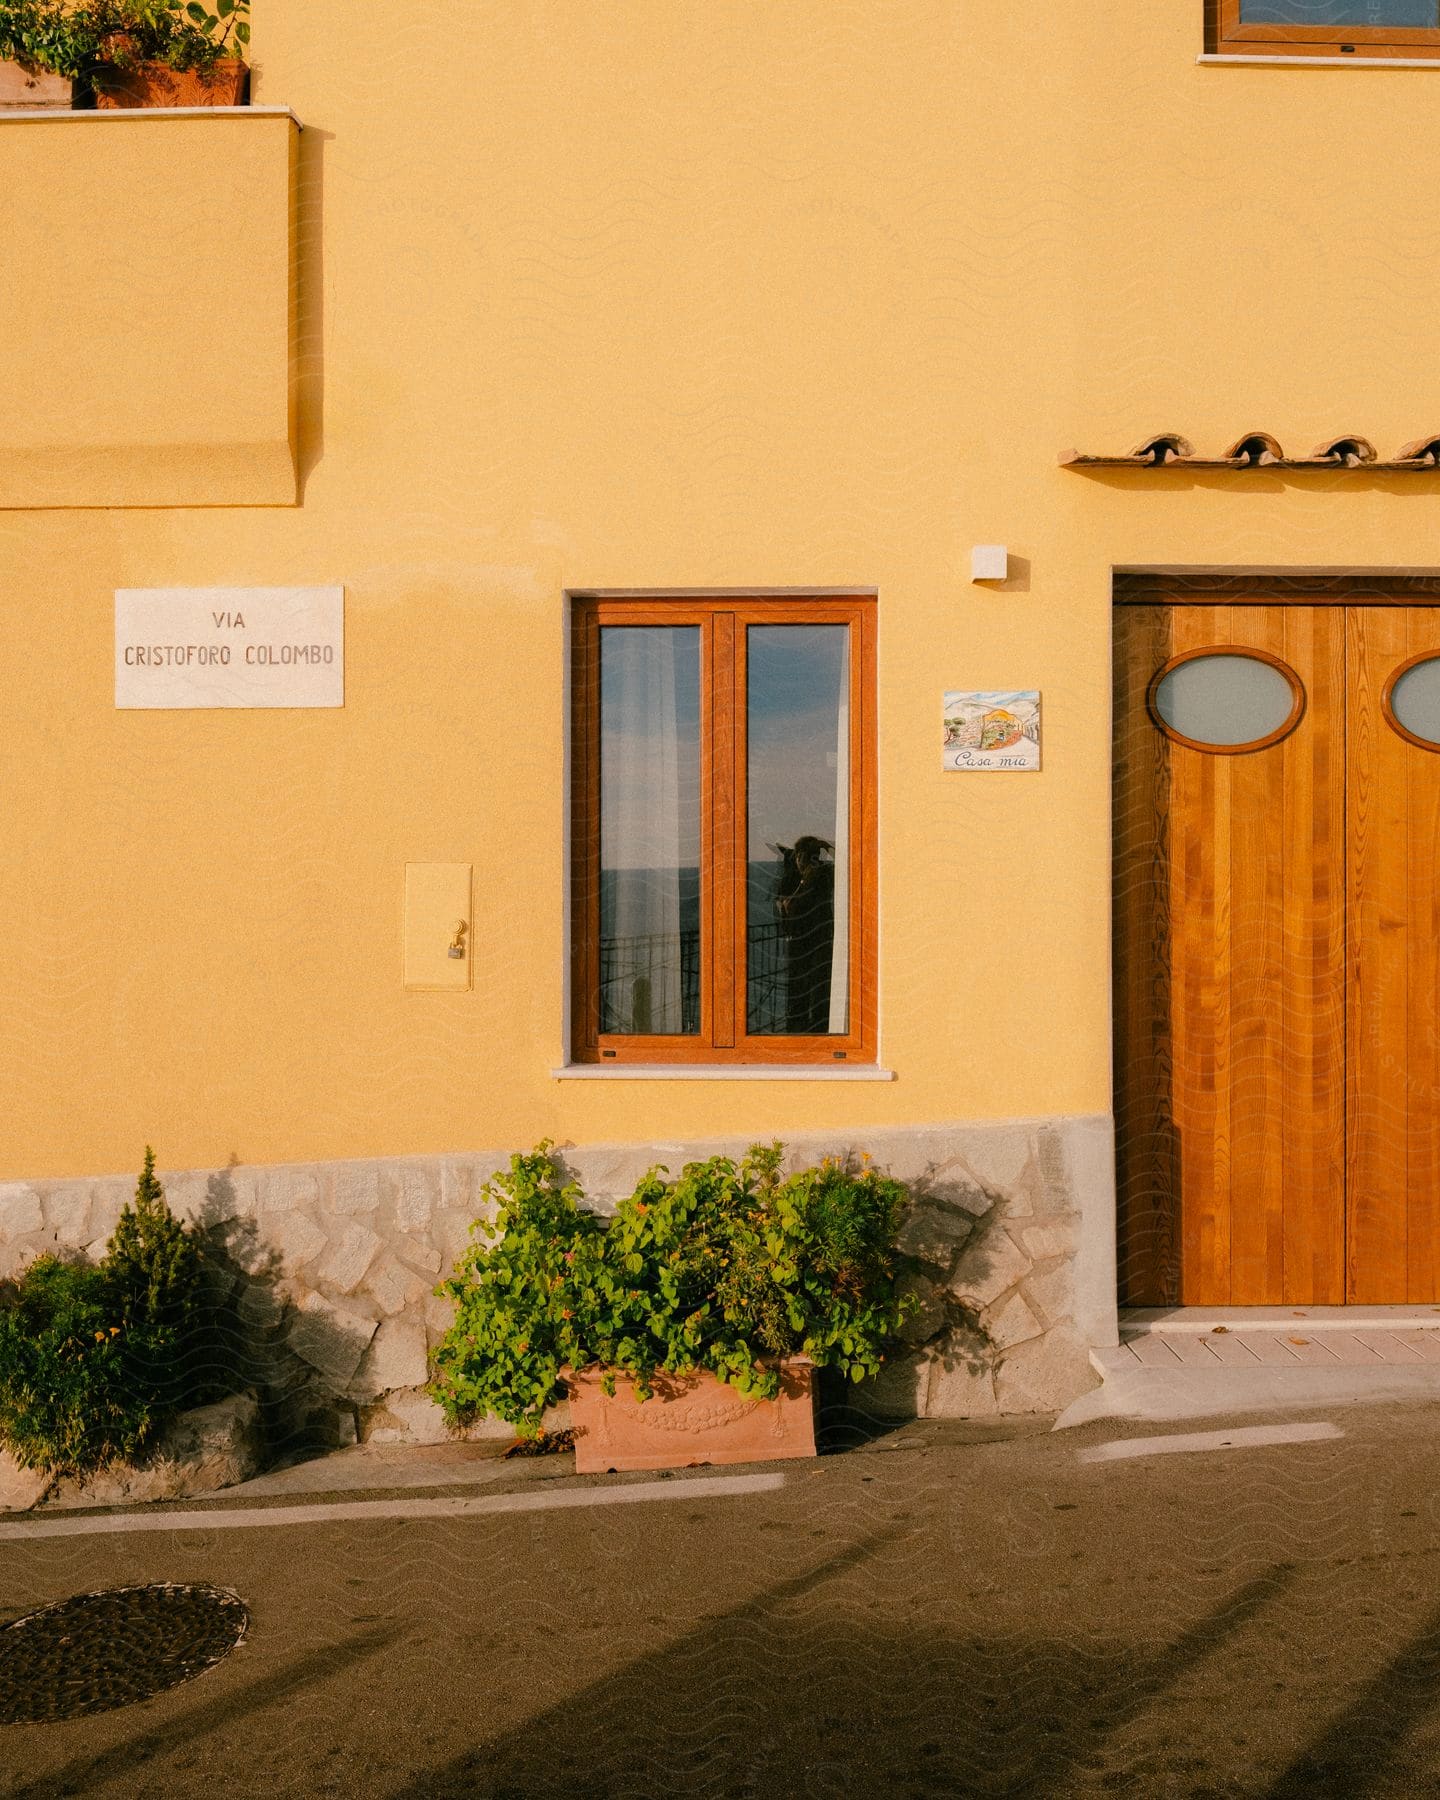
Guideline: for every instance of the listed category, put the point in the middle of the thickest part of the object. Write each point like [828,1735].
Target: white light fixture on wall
[989,562]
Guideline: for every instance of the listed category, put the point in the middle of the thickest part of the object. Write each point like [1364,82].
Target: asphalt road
[942,1611]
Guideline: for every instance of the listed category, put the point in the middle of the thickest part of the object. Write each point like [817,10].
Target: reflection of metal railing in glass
[639,977]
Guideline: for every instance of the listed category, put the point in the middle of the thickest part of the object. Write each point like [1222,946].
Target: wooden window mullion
[727,815]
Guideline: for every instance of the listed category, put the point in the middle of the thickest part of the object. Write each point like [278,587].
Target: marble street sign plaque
[202,647]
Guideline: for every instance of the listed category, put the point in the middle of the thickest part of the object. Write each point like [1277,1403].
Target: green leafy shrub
[727,1268]
[517,1322]
[95,1358]
[65,1403]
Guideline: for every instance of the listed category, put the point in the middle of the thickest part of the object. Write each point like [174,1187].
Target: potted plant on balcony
[712,1297]
[123,53]
[159,53]
[36,56]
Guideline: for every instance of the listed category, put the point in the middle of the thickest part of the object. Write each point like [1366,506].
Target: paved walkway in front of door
[1194,1362]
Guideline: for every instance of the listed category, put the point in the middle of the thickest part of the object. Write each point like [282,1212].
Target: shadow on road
[191,1723]
[809,1689]
[1360,1748]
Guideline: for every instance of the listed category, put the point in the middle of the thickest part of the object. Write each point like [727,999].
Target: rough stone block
[20,1489]
[239,1241]
[229,1194]
[451,1230]
[1011,1322]
[67,1216]
[1051,1293]
[395,1286]
[930,1311]
[1053,1168]
[962,1386]
[1041,1242]
[424,1256]
[349,1257]
[330,1338]
[934,1233]
[186,1193]
[20,1211]
[897,1392]
[297,1240]
[991,1265]
[415,1194]
[1045,1374]
[996,1155]
[413,1418]
[285,1190]
[355,1188]
[455,1186]
[200,1451]
[397,1358]
[259,1306]
[439,1315]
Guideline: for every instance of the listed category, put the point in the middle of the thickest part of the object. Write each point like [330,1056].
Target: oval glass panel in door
[1226,700]
[1412,701]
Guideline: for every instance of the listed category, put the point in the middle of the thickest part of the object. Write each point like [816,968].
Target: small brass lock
[457,943]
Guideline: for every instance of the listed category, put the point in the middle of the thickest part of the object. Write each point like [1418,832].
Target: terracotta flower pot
[154,84]
[29,90]
[690,1419]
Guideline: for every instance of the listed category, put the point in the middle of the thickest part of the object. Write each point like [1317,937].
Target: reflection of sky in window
[650,746]
[794,689]
[1340,12]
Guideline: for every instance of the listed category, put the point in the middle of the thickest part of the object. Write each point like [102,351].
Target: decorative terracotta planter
[691,1419]
[153,84]
[31,90]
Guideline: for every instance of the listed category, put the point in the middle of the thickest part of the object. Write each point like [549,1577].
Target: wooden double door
[1277,954]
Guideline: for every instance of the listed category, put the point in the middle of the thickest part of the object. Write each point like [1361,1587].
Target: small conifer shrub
[94,1359]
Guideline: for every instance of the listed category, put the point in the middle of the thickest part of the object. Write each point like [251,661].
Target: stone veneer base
[330,1268]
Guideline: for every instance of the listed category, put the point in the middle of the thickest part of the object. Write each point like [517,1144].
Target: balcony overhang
[147,357]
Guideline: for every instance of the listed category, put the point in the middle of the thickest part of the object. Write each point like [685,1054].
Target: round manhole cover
[98,1651]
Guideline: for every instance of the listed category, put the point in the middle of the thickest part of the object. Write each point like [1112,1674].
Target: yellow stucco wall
[696,296]
[146,353]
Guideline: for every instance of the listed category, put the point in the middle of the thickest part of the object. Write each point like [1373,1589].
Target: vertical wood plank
[1378,992]
[1252,957]
[1421,1084]
[1147,1179]
[1200,914]
[1313,981]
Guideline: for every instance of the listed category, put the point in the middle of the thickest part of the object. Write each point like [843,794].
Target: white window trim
[1240,59]
[717,1072]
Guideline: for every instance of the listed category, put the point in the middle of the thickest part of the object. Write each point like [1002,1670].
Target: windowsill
[1243,60]
[716,1072]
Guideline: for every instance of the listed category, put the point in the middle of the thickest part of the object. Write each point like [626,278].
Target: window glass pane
[650,829]
[1340,12]
[798,873]
[1415,700]
[1224,699]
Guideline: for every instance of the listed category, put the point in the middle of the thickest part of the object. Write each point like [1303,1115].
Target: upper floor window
[723,831]
[1399,28]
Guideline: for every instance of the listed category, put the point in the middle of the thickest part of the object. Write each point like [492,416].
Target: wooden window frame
[723,1037]
[1232,38]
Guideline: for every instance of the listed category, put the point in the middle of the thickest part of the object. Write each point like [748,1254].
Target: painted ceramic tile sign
[998,730]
